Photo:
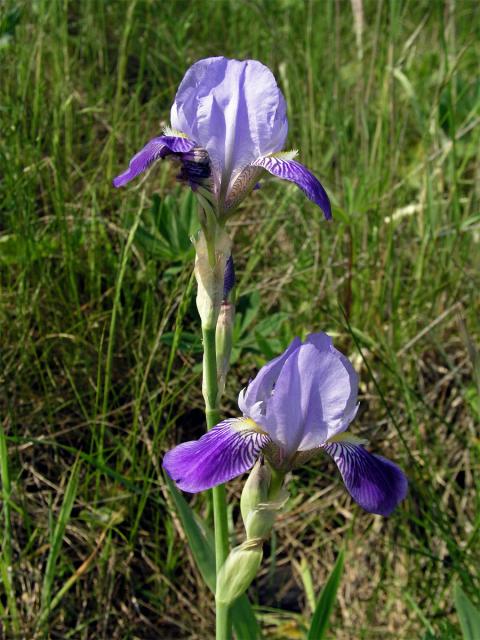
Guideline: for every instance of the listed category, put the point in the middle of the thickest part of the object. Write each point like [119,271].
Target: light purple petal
[232,108]
[260,388]
[324,344]
[314,397]
[375,483]
[295,172]
[153,150]
[285,408]
[226,451]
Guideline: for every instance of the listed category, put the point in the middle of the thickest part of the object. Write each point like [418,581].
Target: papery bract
[298,405]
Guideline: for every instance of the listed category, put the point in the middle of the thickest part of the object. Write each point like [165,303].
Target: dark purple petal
[153,150]
[226,451]
[374,482]
[295,172]
[232,108]
[195,170]
[229,277]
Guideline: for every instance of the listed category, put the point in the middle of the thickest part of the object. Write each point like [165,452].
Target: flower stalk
[212,251]
[220,522]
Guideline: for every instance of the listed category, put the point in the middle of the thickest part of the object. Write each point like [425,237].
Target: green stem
[210,393]
[222,627]
[276,483]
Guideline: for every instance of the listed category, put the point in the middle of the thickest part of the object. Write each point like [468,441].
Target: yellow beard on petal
[347,437]
[170,131]
[247,424]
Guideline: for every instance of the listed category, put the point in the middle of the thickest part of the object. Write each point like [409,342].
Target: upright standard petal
[235,110]
[295,172]
[314,397]
[260,388]
[154,149]
[374,482]
[344,370]
[226,451]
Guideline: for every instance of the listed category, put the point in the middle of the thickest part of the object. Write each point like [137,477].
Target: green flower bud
[258,511]
[238,571]
[259,522]
[255,490]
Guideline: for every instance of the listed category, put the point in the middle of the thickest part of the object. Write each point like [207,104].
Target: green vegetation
[99,335]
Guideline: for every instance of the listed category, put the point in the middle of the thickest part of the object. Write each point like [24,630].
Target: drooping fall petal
[374,482]
[224,452]
[295,172]
[155,149]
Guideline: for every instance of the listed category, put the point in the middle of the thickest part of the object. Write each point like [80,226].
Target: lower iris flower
[299,405]
[229,126]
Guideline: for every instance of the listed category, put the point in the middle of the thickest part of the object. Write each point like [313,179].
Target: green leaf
[154,245]
[244,621]
[468,615]
[264,345]
[15,249]
[326,601]
[200,543]
[197,539]
[168,227]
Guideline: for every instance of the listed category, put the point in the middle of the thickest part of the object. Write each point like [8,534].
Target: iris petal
[232,108]
[154,149]
[314,396]
[374,482]
[260,388]
[295,172]
[226,451]
[339,383]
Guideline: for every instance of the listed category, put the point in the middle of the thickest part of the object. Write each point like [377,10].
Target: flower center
[195,169]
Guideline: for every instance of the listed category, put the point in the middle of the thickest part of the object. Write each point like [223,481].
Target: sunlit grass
[99,335]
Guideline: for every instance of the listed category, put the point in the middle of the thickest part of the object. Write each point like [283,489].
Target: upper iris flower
[298,405]
[228,125]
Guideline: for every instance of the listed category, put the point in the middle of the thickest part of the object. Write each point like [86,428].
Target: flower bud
[223,342]
[210,261]
[258,512]
[238,571]
[255,490]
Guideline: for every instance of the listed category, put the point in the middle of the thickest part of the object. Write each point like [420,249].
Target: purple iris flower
[229,125]
[298,405]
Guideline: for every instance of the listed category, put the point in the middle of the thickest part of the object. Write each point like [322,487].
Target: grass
[100,340]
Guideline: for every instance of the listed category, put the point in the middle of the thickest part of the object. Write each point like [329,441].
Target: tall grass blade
[57,538]
[326,601]
[113,325]
[6,555]
[468,615]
